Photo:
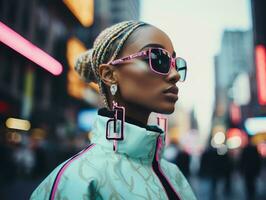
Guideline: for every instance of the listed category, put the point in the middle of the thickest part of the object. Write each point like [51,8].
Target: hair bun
[84,66]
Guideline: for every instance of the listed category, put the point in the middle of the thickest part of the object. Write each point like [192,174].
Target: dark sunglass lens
[181,67]
[160,61]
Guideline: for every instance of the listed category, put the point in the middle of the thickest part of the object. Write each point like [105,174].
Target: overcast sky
[196,28]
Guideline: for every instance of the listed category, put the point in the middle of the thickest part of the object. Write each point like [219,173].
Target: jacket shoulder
[69,179]
[44,188]
[178,179]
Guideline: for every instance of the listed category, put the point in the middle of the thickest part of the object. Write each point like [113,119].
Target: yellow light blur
[83,10]
[173,134]
[38,134]
[233,142]
[218,128]
[89,135]
[14,137]
[18,124]
[75,85]
[74,48]
[259,138]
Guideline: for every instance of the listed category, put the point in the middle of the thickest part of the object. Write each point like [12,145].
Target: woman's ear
[107,74]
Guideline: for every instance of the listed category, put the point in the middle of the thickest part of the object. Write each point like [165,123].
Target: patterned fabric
[100,173]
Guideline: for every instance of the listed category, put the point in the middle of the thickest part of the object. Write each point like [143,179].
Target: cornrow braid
[84,67]
[108,39]
[106,47]
[122,41]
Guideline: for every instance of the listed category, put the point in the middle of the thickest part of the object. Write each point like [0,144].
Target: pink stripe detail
[159,167]
[64,168]
[168,181]
[115,143]
[160,182]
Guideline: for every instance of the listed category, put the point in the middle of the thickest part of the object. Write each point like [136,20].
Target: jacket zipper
[168,187]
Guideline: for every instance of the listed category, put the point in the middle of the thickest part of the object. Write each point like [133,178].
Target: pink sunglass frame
[142,54]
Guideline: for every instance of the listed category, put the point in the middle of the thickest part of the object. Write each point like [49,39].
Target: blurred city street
[217,134]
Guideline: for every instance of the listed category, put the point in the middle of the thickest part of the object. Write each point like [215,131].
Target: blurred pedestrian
[7,165]
[216,168]
[208,170]
[179,157]
[183,162]
[250,165]
[24,158]
[137,70]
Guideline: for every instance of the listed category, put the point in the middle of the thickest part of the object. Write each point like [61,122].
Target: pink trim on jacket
[159,167]
[61,171]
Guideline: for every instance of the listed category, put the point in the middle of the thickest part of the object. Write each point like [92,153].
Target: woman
[136,68]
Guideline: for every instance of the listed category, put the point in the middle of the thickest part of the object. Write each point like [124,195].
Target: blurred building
[259,78]
[235,56]
[114,11]
[240,77]
[30,92]
[233,67]
[258,17]
[233,73]
[106,13]
[257,124]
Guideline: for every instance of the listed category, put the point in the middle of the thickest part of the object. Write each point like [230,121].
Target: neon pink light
[261,73]
[29,50]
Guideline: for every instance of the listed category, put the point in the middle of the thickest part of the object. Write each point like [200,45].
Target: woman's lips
[171,93]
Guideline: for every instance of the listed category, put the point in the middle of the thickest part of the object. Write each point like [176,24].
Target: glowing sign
[75,86]
[261,73]
[18,124]
[29,50]
[83,10]
[255,125]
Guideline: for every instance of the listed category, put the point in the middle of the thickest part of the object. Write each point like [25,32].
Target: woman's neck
[137,113]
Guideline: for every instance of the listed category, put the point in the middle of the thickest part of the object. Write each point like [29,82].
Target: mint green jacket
[135,171]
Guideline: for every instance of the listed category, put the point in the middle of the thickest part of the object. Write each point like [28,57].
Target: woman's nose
[173,75]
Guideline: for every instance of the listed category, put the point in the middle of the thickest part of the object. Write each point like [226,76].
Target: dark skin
[140,90]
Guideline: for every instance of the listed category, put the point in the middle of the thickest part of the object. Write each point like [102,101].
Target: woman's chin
[166,109]
[170,111]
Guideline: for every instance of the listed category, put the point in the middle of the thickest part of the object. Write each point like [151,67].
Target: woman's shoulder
[173,171]
[79,169]
[178,179]
[42,190]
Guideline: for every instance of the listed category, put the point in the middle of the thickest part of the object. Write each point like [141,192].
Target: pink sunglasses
[160,61]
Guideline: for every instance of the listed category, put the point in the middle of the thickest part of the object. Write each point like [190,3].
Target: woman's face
[138,85]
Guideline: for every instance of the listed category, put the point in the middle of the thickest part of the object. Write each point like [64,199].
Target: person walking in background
[183,162]
[250,165]
[216,168]
[137,69]
[174,154]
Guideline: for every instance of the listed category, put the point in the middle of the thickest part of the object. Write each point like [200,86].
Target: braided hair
[106,47]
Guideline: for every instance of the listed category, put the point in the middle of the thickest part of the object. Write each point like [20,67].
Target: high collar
[139,139]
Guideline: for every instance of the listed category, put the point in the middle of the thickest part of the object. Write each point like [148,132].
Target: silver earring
[113,89]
